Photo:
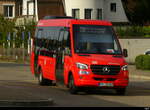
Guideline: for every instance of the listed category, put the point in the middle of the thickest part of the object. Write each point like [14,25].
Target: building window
[76,13]
[99,14]
[9,11]
[113,7]
[88,13]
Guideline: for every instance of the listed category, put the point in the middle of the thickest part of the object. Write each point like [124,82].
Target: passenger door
[50,53]
[63,39]
[35,51]
[49,65]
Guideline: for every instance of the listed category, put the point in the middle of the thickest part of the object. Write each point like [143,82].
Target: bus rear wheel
[72,88]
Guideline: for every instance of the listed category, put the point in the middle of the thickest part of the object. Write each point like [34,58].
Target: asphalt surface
[18,87]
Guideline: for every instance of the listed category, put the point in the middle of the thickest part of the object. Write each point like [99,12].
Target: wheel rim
[40,77]
[71,84]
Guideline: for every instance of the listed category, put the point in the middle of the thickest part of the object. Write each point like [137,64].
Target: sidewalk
[139,74]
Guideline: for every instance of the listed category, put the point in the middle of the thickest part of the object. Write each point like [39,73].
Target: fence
[10,51]
[15,48]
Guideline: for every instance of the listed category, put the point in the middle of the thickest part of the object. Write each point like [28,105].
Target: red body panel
[32,62]
[69,22]
[48,67]
[121,80]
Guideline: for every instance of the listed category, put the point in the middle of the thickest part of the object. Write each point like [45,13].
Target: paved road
[17,83]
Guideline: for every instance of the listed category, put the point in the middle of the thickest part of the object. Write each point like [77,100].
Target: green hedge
[143,62]
[133,31]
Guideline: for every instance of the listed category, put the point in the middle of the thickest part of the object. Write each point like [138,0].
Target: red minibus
[81,53]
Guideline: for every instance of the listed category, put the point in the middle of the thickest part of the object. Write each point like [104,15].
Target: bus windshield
[91,39]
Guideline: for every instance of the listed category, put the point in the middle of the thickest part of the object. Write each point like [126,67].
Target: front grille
[105,69]
[105,79]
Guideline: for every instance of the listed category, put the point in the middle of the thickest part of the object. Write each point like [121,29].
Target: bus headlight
[82,66]
[125,68]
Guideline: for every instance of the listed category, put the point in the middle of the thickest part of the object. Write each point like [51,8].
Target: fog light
[81,72]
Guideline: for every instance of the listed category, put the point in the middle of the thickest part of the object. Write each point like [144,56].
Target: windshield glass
[91,39]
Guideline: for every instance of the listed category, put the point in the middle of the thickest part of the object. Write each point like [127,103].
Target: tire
[121,91]
[42,81]
[72,88]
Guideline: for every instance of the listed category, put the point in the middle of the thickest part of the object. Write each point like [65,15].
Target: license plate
[106,85]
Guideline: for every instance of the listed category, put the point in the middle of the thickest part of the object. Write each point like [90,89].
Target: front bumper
[118,83]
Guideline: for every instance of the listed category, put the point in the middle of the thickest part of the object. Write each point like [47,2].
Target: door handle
[51,62]
[44,62]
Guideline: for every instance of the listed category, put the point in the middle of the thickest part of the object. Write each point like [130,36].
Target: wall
[119,16]
[31,8]
[135,47]
[50,7]
[83,4]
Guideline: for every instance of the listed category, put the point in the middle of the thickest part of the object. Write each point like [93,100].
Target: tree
[6,26]
[137,11]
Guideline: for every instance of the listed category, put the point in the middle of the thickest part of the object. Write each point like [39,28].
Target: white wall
[119,16]
[135,47]
[24,10]
[83,4]
[31,7]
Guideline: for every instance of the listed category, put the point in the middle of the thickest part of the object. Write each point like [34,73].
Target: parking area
[19,85]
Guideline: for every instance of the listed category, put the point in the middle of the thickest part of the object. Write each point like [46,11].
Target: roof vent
[57,17]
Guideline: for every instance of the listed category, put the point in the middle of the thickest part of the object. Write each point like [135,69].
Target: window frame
[113,7]
[85,14]
[98,14]
[74,13]
[13,10]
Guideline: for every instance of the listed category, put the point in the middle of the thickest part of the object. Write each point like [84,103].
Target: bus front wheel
[72,88]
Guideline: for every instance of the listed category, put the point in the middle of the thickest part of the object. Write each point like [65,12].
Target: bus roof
[68,22]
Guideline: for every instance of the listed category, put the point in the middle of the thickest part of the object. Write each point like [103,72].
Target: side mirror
[67,51]
[125,52]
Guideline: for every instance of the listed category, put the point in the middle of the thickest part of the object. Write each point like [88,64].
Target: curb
[26,103]
[140,77]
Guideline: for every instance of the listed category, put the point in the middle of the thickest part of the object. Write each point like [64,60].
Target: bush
[133,31]
[139,61]
[146,62]
[143,62]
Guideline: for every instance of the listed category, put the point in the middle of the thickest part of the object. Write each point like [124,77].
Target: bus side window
[38,41]
[48,43]
[67,40]
[67,43]
[60,39]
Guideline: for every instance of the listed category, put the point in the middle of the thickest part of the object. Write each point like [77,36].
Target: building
[111,10]
[10,8]
[27,8]
[41,8]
